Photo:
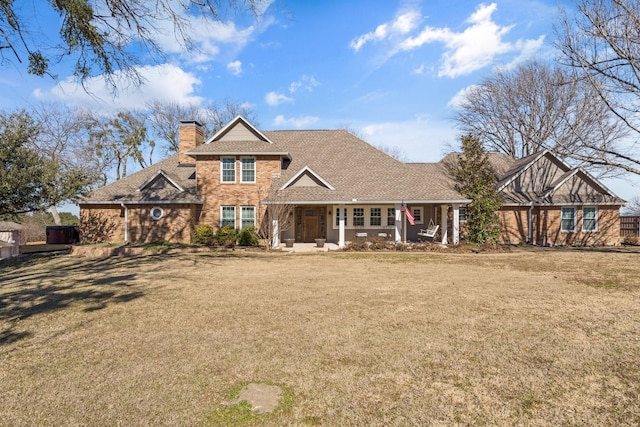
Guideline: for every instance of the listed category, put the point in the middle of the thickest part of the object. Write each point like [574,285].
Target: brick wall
[176,224]
[111,218]
[548,231]
[547,227]
[236,194]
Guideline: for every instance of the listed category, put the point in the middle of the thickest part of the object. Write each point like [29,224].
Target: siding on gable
[306,180]
[239,133]
[537,179]
[576,190]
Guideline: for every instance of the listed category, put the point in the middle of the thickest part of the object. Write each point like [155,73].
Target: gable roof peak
[239,120]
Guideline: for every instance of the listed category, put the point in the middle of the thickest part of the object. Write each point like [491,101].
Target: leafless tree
[537,106]
[63,140]
[165,118]
[274,209]
[633,207]
[601,42]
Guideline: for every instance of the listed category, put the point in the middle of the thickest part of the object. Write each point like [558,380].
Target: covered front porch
[343,223]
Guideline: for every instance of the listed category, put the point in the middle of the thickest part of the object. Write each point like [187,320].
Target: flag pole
[404,224]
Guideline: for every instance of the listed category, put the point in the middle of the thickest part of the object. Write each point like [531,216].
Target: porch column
[443,222]
[275,238]
[456,223]
[341,221]
[399,228]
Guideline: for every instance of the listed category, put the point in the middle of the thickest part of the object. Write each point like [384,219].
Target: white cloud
[475,47]
[99,97]
[294,122]
[235,68]
[460,96]
[274,99]
[465,51]
[305,83]
[419,70]
[403,24]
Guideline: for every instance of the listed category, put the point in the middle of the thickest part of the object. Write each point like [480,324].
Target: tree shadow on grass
[43,283]
[38,285]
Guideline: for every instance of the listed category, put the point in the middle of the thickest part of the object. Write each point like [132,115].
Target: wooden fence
[629,226]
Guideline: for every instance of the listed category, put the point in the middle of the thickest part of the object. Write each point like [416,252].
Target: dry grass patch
[357,339]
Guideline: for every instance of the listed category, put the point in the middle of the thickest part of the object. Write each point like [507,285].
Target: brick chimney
[190,135]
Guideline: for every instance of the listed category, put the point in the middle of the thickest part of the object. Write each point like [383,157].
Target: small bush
[203,235]
[227,236]
[248,236]
[158,245]
[630,240]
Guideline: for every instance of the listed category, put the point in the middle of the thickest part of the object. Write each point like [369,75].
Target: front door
[310,223]
[310,228]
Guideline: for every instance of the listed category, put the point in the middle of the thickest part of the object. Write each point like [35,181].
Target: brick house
[330,184]
[546,202]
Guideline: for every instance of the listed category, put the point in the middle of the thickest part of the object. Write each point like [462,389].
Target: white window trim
[156,217]
[563,230]
[386,218]
[466,213]
[235,214]
[254,215]
[418,208]
[380,217]
[367,217]
[255,172]
[364,216]
[235,172]
[596,219]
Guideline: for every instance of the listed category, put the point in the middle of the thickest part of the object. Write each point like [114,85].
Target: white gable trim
[301,172]
[560,184]
[165,175]
[531,163]
[232,123]
[571,175]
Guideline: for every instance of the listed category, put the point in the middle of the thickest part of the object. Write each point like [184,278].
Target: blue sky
[389,70]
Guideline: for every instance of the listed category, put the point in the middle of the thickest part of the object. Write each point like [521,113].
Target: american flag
[409,214]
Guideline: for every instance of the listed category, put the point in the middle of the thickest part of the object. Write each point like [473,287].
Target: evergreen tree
[476,180]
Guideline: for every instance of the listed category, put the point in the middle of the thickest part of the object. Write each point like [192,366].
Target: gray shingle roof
[127,189]
[357,171]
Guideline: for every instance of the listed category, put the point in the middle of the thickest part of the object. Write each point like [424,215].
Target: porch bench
[429,232]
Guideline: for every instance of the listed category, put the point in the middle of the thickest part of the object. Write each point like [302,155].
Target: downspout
[530,228]
[126,222]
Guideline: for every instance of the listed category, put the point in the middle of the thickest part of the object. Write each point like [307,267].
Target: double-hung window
[338,210]
[568,221]
[228,216]
[391,217]
[247,169]
[590,219]
[247,216]
[376,217]
[358,217]
[417,215]
[463,214]
[228,169]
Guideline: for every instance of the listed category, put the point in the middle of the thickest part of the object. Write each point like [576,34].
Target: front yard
[373,339]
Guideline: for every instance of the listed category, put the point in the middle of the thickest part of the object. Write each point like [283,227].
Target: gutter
[530,228]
